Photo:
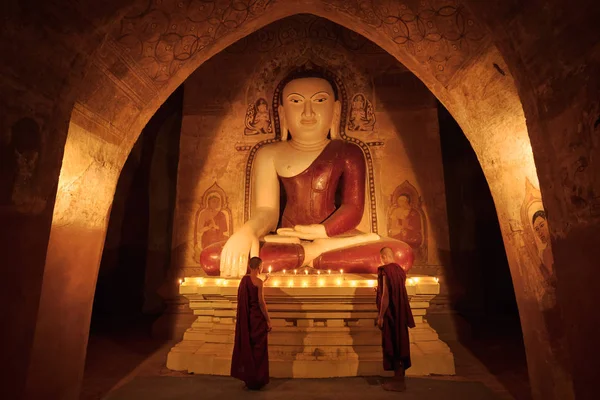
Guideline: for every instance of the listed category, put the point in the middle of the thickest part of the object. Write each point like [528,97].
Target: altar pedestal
[323,326]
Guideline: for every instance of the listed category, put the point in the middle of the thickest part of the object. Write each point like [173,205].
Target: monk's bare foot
[394,385]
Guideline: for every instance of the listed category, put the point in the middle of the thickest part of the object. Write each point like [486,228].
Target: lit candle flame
[284,271]
[306,272]
[318,272]
[329,271]
[180,281]
[270,269]
[341,272]
[295,272]
[436,279]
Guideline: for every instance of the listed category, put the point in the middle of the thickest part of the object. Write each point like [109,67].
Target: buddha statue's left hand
[306,232]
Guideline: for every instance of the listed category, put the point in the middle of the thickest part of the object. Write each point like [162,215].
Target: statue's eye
[321,100]
[295,100]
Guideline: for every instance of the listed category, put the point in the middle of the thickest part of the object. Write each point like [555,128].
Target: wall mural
[536,234]
[407,221]
[20,160]
[362,114]
[213,220]
[258,119]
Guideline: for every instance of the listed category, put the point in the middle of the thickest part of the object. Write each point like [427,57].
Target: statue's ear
[282,124]
[334,130]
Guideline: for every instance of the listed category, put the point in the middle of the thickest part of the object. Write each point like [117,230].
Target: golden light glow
[270,269]
[318,272]
[284,271]
[341,271]
[306,272]
[295,272]
[329,271]
[308,281]
[436,279]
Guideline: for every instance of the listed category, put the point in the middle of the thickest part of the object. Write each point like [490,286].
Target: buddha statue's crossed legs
[357,254]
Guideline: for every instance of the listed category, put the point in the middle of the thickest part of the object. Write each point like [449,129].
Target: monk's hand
[380,322]
[305,232]
[269,326]
[234,256]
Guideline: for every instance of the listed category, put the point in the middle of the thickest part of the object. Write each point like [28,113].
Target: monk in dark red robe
[250,360]
[395,317]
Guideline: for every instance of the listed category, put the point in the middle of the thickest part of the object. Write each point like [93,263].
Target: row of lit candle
[306,271]
[321,282]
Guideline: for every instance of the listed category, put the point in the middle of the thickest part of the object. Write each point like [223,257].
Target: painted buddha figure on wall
[311,164]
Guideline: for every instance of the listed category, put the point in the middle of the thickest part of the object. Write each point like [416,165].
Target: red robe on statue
[250,360]
[397,319]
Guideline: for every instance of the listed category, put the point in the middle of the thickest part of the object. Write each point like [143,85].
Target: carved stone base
[323,329]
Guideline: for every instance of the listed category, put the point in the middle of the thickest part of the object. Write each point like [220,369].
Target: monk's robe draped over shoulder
[397,319]
[250,360]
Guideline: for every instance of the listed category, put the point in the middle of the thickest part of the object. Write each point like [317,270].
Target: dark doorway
[136,255]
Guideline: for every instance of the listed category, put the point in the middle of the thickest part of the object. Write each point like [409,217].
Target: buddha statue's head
[309,107]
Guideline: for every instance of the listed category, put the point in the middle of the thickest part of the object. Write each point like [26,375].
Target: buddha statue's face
[309,107]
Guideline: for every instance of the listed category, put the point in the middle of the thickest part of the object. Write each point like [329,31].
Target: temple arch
[124,89]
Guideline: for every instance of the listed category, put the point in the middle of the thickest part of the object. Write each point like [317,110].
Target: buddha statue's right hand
[238,248]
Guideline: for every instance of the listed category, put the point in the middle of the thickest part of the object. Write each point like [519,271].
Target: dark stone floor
[208,388]
[127,364]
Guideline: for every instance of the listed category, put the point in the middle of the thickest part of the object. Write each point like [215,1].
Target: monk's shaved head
[386,251]
[387,255]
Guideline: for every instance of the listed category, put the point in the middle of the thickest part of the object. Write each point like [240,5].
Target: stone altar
[323,327]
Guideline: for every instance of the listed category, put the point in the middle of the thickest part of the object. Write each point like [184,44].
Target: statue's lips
[308,122]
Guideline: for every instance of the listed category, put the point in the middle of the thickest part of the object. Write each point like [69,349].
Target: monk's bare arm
[263,304]
[349,214]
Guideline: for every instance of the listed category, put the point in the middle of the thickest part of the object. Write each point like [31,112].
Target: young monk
[395,317]
[250,360]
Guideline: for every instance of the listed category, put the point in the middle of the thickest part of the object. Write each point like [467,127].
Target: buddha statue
[311,163]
